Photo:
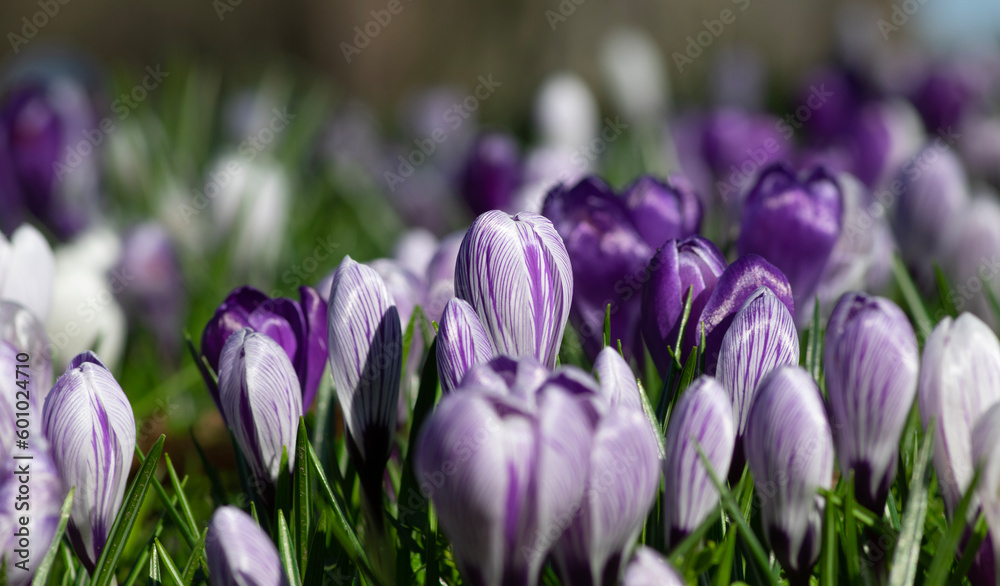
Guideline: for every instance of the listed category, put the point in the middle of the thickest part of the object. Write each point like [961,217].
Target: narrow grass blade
[286,552]
[195,559]
[944,291]
[828,553]
[426,397]
[182,499]
[970,550]
[218,492]
[172,511]
[688,300]
[725,565]
[907,556]
[301,491]
[122,527]
[850,535]
[43,569]
[945,554]
[921,317]
[343,528]
[283,491]
[814,348]
[155,579]
[607,327]
[167,565]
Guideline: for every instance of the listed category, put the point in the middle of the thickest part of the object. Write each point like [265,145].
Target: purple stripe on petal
[461,343]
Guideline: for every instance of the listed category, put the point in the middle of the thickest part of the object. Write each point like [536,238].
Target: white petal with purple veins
[462,342]
[239,553]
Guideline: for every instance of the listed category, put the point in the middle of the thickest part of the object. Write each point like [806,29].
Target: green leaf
[426,397]
[851,533]
[991,297]
[814,348]
[317,556]
[196,558]
[154,568]
[125,520]
[938,573]
[283,491]
[907,556]
[286,552]
[140,563]
[218,492]
[43,569]
[301,491]
[172,511]
[921,317]
[688,300]
[828,553]
[686,547]
[944,291]
[970,550]
[181,497]
[607,327]
[168,565]
[726,562]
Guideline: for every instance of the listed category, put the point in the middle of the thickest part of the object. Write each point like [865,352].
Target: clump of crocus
[91,429]
[239,552]
[789,447]
[870,362]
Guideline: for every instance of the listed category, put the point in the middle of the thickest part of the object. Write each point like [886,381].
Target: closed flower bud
[492,173]
[239,553]
[663,211]
[91,429]
[870,360]
[702,417]
[790,450]
[461,343]
[515,272]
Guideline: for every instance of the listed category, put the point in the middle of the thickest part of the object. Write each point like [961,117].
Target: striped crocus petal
[22,329]
[618,383]
[366,350]
[91,429]
[462,342]
[959,381]
[760,338]
[986,453]
[239,553]
[649,568]
[515,272]
[504,375]
[314,354]
[621,486]
[870,359]
[261,400]
[739,281]
[702,417]
[789,447]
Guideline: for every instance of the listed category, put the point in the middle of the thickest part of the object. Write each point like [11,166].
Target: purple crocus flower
[760,338]
[504,375]
[261,401]
[462,342]
[694,263]
[366,350]
[736,144]
[662,211]
[947,93]
[515,272]
[492,173]
[737,283]
[299,327]
[239,553]
[790,448]
[617,381]
[607,255]
[702,417]
[870,360]
[649,568]
[24,538]
[959,381]
[505,477]
[90,426]
[793,223]
[968,256]
[881,138]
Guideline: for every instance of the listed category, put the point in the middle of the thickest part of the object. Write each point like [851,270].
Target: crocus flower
[366,350]
[607,255]
[617,382]
[790,450]
[504,375]
[22,331]
[462,342]
[959,381]
[735,145]
[566,113]
[737,284]
[986,453]
[492,173]
[948,92]
[27,269]
[702,417]
[694,263]
[515,272]
[261,400]
[870,360]
[969,256]
[90,426]
[505,477]
[882,136]
[239,553]
[662,211]
[649,568]
[793,223]
[299,327]
[760,338]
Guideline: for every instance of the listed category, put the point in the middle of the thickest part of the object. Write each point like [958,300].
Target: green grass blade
[195,559]
[991,297]
[182,499]
[944,291]
[814,348]
[167,564]
[970,550]
[688,544]
[688,300]
[301,491]
[828,553]
[945,554]
[43,569]
[218,492]
[125,520]
[283,491]
[175,515]
[286,552]
[725,565]
[850,535]
[607,327]
[907,556]
[914,301]
[426,397]
[155,579]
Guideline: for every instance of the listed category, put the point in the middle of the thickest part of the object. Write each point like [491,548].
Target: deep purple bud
[515,272]
[789,445]
[649,568]
[959,381]
[702,417]
[505,478]
[261,401]
[662,211]
[90,426]
[737,284]
[793,223]
[734,139]
[230,317]
[882,137]
[871,362]
[694,263]
[239,553]
[492,173]
[366,350]
[947,93]
[461,343]
[607,255]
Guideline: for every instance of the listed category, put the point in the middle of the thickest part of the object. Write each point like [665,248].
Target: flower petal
[461,343]
[239,553]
